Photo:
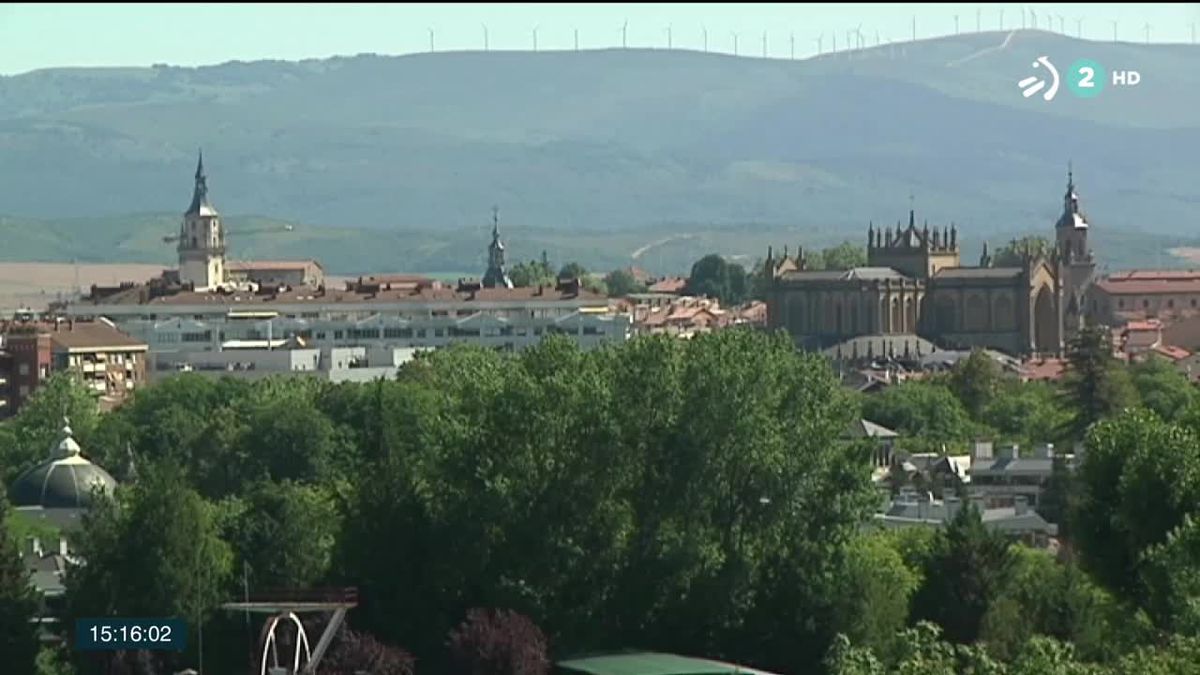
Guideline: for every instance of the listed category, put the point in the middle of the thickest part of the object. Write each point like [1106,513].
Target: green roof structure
[650,663]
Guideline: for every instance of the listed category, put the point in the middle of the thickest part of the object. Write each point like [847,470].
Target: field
[34,284]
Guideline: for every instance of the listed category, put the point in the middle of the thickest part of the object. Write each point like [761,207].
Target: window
[24,390]
[198,337]
[320,335]
[591,330]
[1145,304]
[439,332]
[23,369]
[364,333]
[337,335]
[43,372]
[464,332]
[1121,304]
[1171,304]
[397,332]
[1193,302]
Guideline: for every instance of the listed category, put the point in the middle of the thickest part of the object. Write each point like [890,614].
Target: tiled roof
[81,334]
[1148,324]
[308,295]
[852,274]
[1048,369]
[1149,285]
[1172,352]
[669,285]
[244,265]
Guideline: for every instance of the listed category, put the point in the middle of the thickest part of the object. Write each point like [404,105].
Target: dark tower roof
[496,276]
[1071,216]
[200,205]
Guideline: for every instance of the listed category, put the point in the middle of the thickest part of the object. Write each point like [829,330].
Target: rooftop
[978,273]
[77,335]
[852,274]
[651,663]
[242,265]
[1150,282]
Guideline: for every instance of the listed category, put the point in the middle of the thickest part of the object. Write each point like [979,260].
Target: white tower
[201,240]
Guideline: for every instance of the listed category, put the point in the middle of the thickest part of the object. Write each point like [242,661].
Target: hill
[595,154]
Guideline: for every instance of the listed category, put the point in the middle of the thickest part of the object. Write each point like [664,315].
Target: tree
[621,283]
[283,533]
[1096,384]
[498,642]
[572,270]
[844,256]
[37,427]
[1138,480]
[18,604]
[964,577]
[154,551]
[975,381]
[532,273]
[353,653]
[1170,576]
[873,603]
[1014,253]
[713,277]
[1028,413]
[1162,388]
[928,410]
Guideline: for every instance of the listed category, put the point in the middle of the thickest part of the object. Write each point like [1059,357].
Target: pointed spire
[785,251]
[200,205]
[770,253]
[953,236]
[200,164]
[912,218]
[495,223]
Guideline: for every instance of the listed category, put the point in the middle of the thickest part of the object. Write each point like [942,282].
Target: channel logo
[1033,84]
[1085,79]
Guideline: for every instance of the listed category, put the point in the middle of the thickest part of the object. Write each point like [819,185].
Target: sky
[59,35]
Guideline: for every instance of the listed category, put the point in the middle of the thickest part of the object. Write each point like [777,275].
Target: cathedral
[915,291]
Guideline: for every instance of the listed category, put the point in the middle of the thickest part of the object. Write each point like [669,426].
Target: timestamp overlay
[120,634]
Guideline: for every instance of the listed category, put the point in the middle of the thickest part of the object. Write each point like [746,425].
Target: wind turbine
[669,42]
[876,38]
[576,39]
[431,39]
[764,44]
[956,24]
[833,39]
[1001,18]
[820,44]
[1062,28]
[1032,19]
[1114,23]
[914,27]
[704,29]
[1022,17]
[978,20]
[535,38]
[1079,27]
[792,45]
[485,37]
[624,34]
[862,42]
[1193,32]
[1147,32]
[735,45]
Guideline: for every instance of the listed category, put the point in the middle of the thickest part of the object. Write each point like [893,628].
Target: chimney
[1010,451]
[1044,451]
[35,546]
[982,450]
[1021,505]
[62,546]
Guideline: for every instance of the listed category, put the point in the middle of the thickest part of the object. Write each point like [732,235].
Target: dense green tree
[1170,574]
[282,534]
[1096,385]
[975,380]
[1013,253]
[18,604]
[1139,478]
[877,586]
[844,256]
[926,410]
[964,577]
[532,273]
[572,270]
[26,439]
[1162,388]
[1027,413]
[712,276]
[621,283]
[154,551]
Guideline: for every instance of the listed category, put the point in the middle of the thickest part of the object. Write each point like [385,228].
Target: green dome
[65,481]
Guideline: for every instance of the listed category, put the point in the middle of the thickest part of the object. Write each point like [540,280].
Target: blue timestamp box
[119,634]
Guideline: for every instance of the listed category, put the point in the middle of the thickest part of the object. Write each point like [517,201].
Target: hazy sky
[42,36]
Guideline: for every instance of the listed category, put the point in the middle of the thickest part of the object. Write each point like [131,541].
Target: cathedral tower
[496,276]
[201,239]
[1078,263]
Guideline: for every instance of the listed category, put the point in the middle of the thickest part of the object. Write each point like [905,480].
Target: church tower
[201,239]
[496,276]
[1078,263]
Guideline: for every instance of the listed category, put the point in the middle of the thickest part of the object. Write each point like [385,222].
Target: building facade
[915,285]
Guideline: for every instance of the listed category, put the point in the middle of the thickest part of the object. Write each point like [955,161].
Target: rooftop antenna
[735,49]
[431,39]
[704,30]
[624,34]
[535,38]
[485,37]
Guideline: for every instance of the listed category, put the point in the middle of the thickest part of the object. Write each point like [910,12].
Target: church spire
[496,276]
[200,204]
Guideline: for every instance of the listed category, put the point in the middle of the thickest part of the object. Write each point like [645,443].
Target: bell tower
[1078,263]
[201,239]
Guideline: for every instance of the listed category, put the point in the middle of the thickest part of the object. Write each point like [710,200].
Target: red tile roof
[1047,369]
[1172,352]
[1151,282]
[243,265]
[669,285]
[70,335]
[1148,325]
[308,295]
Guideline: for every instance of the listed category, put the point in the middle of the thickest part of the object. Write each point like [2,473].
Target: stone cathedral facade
[915,286]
